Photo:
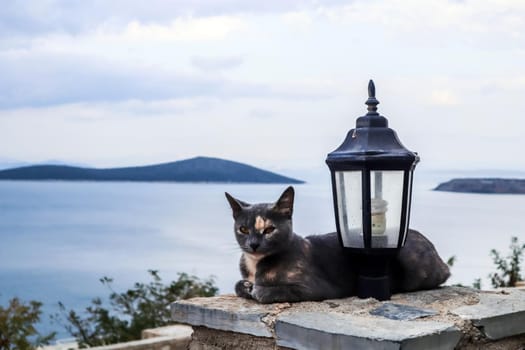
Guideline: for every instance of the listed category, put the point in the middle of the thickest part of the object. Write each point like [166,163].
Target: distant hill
[484,185]
[199,169]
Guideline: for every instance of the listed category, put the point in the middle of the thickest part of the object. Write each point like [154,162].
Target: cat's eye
[268,230]
[244,230]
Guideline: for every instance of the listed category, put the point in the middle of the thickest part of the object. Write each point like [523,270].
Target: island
[484,185]
[198,169]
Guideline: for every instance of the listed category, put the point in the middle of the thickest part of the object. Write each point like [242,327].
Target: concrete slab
[401,312]
[498,314]
[164,343]
[309,330]
[228,313]
[175,331]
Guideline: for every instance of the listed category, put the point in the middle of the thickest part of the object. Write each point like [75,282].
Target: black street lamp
[372,186]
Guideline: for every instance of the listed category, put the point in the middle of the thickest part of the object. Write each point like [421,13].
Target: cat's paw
[262,294]
[243,289]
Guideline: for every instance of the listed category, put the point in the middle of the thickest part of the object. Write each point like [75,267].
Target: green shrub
[143,306]
[17,326]
[508,268]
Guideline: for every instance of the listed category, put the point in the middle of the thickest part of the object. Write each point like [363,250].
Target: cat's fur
[279,266]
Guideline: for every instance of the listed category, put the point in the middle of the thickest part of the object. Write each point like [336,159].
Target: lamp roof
[372,141]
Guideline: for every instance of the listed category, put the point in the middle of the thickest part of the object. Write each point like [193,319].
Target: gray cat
[279,266]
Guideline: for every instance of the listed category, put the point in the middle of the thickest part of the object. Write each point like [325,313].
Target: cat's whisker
[231,248]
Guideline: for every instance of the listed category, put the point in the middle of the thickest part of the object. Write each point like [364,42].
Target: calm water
[58,238]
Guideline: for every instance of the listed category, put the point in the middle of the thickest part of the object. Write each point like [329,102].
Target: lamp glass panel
[386,194]
[409,203]
[349,207]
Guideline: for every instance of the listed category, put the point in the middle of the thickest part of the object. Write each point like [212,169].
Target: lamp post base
[373,280]
[374,287]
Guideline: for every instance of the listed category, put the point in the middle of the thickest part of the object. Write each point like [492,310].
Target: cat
[279,266]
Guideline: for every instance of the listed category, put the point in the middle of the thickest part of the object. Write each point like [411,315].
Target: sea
[57,238]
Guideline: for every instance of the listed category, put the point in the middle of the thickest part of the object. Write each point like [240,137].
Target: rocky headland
[484,185]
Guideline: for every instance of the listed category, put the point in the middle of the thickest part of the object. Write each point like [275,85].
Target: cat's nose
[254,246]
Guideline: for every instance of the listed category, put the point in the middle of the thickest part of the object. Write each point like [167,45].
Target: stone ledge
[436,319]
[498,314]
[174,331]
[157,343]
[174,337]
[309,330]
[227,313]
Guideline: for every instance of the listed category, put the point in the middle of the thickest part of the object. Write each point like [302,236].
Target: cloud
[298,18]
[261,113]
[217,70]
[37,17]
[469,23]
[30,80]
[184,29]
[41,80]
[444,98]
[216,63]
[138,132]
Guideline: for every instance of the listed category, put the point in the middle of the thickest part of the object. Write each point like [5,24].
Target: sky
[276,84]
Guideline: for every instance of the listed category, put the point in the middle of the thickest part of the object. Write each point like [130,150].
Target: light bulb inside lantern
[379,208]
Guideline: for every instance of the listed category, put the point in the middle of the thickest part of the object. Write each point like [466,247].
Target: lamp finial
[372,102]
[371,89]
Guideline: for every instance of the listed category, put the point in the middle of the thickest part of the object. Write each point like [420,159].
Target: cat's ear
[237,205]
[284,204]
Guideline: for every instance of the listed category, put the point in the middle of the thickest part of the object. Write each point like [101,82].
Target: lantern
[372,186]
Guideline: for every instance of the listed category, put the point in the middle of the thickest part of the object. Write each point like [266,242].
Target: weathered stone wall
[445,318]
[211,339]
[157,343]
[175,337]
